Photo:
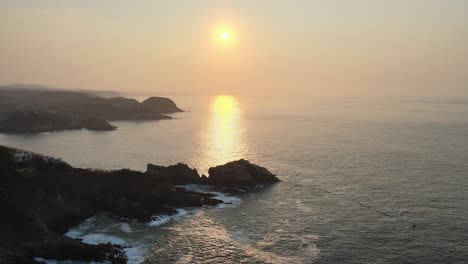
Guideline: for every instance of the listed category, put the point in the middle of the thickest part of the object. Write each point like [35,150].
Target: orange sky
[333,48]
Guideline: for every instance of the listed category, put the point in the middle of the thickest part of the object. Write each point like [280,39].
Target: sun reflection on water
[226,129]
[222,138]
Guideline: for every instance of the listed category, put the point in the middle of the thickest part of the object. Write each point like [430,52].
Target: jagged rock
[176,174]
[240,173]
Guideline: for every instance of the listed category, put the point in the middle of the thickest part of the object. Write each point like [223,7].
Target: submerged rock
[240,173]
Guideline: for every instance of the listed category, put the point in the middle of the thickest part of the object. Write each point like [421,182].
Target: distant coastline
[43,109]
[40,87]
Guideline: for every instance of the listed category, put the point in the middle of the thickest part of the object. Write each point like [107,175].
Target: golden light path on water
[222,139]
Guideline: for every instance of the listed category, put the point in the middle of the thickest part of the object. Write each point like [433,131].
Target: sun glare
[224,35]
[225,105]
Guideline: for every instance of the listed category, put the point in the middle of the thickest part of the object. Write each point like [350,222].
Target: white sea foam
[228,199]
[162,219]
[74,233]
[134,251]
[135,254]
[95,239]
[125,227]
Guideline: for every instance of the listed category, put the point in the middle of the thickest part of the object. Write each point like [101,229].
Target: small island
[42,197]
[36,110]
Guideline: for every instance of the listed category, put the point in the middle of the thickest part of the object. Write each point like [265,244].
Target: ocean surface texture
[364,180]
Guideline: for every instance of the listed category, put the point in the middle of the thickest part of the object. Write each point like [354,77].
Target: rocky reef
[41,200]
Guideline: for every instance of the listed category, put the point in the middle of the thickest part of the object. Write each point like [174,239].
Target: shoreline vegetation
[39,110]
[41,198]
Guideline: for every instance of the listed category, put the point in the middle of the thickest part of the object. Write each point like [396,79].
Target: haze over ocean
[353,116]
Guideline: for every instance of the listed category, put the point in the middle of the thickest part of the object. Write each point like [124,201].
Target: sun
[224,35]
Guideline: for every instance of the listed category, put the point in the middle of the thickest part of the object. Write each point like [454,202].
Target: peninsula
[42,197]
[36,110]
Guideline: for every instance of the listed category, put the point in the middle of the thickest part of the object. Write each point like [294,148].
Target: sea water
[364,180]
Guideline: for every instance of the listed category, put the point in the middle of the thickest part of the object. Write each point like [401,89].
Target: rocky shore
[41,200]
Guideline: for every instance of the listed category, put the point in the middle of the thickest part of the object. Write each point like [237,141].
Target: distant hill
[39,87]
[25,110]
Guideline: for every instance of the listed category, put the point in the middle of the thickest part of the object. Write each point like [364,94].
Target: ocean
[364,180]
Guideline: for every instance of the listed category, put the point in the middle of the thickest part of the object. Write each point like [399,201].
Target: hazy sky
[322,47]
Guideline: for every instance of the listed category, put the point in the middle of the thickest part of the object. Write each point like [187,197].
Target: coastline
[45,198]
[37,111]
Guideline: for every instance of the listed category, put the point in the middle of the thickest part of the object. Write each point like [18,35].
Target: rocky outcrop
[240,173]
[235,173]
[176,174]
[160,105]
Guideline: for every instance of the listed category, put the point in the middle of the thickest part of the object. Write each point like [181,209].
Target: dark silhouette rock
[240,173]
[176,174]
[160,105]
